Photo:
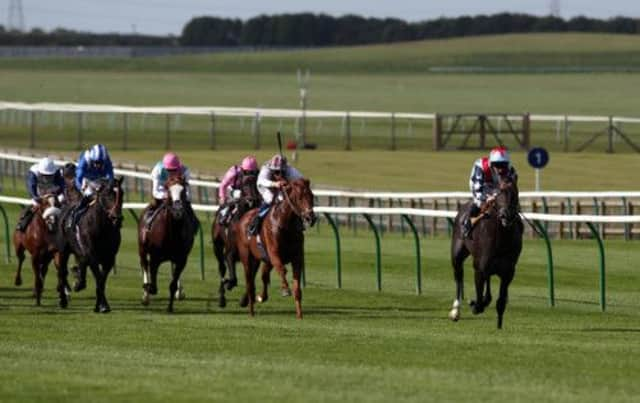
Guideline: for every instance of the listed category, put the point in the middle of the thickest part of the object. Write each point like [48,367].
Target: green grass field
[354,344]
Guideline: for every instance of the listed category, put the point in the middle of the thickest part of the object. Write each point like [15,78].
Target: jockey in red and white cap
[273,175]
[484,179]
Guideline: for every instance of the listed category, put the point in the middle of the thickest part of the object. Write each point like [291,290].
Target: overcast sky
[162,17]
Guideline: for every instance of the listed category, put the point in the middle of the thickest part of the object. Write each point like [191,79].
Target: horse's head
[507,203]
[177,195]
[110,199]
[48,208]
[300,197]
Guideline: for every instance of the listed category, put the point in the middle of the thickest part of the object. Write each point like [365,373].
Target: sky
[164,17]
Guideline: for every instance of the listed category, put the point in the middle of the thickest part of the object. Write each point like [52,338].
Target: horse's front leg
[176,271]
[285,290]
[36,265]
[80,273]
[486,299]
[99,279]
[480,278]
[60,259]
[501,303]
[251,265]
[297,264]
[19,249]
[266,279]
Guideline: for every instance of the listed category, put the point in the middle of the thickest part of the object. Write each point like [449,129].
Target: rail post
[167,132]
[417,243]
[201,236]
[125,130]
[594,231]
[550,277]
[32,135]
[212,132]
[378,265]
[347,131]
[393,131]
[336,233]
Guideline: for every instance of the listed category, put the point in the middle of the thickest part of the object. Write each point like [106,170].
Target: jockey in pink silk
[231,187]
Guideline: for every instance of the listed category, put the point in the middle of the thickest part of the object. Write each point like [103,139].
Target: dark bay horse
[282,241]
[96,240]
[224,236]
[169,238]
[39,240]
[495,244]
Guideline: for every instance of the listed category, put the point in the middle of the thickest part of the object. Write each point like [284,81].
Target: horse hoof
[476,309]
[105,309]
[222,302]
[79,286]
[17,282]
[169,309]
[145,299]
[244,301]
[63,303]
[285,292]
[230,284]
[180,295]
[153,290]
[454,314]
[261,299]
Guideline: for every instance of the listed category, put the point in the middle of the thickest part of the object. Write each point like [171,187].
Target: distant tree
[211,31]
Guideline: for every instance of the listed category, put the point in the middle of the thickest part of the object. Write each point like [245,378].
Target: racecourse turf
[354,343]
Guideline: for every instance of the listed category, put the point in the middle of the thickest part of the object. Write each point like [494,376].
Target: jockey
[169,166]
[484,179]
[231,187]
[93,165]
[43,178]
[273,175]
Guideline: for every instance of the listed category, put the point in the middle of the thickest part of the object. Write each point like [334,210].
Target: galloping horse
[40,242]
[281,241]
[224,237]
[169,238]
[96,240]
[495,244]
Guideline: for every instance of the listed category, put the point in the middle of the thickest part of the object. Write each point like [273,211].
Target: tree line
[307,30]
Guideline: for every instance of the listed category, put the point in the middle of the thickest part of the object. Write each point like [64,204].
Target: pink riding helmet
[249,163]
[171,161]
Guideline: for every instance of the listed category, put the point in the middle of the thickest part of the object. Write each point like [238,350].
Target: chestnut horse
[495,244]
[281,240]
[96,240]
[169,238]
[39,240]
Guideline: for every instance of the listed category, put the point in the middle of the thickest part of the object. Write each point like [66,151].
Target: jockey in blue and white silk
[94,164]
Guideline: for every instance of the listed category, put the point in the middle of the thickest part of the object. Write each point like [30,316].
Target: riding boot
[25,218]
[254,226]
[78,210]
[149,214]
[473,211]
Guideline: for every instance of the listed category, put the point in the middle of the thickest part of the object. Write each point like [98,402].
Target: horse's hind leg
[486,299]
[80,273]
[480,277]
[458,254]
[298,266]
[250,268]
[63,286]
[501,303]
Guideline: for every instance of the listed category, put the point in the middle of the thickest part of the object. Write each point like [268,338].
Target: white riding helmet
[46,166]
[499,155]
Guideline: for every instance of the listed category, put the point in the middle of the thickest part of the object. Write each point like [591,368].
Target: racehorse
[96,239]
[39,240]
[495,244]
[169,238]
[224,236]
[281,240]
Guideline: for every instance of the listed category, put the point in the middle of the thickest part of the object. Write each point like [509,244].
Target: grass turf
[354,343]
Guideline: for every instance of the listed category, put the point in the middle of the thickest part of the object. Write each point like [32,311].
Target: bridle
[306,215]
[114,212]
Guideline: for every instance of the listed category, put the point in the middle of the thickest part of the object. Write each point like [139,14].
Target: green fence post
[135,216]
[595,233]
[545,209]
[338,262]
[417,242]
[6,234]
[545,236]
[378,265]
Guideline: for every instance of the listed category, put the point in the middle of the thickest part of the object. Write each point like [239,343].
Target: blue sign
[538,157]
